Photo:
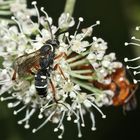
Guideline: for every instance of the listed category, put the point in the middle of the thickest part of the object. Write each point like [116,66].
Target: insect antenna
[49,26]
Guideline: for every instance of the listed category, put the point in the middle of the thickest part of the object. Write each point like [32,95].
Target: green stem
[5,13]
[4,7]
[81,71]
[69,6]
[83,77]
[87,87]
[7,2]
[69,60]
[77,63]
[7,20]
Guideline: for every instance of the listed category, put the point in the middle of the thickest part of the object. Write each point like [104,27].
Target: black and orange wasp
[42,60]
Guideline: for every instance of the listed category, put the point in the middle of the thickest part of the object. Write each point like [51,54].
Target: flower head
[69,81]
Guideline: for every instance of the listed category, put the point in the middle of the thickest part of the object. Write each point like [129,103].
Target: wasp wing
[25,62]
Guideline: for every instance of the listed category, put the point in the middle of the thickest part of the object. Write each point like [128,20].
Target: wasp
[42,60]
[123,89]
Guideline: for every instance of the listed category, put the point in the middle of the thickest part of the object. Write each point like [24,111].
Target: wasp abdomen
[41,82]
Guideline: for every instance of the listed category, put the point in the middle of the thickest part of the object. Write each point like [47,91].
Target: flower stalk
[87,87]
[5,10]
[69,6]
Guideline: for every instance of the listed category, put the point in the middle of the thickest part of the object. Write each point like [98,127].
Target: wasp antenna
[50,29]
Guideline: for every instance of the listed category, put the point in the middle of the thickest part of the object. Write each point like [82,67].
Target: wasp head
[50,45]
[53,42]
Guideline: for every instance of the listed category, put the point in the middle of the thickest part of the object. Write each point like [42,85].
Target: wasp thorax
[45,49]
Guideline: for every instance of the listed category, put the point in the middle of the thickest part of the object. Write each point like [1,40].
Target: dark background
[118,20]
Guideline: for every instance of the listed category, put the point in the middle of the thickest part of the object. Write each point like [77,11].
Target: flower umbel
[77,64]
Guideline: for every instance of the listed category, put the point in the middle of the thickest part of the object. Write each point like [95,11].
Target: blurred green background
[118,20]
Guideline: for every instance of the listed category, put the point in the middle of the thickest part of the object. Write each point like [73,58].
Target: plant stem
[69,6]
[82,71]
[79,76]
[5,13]
[69,60]
[80,62]
[87,87]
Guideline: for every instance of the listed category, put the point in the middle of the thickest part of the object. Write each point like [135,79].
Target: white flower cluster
[136,42]
[79,63]
[103,64]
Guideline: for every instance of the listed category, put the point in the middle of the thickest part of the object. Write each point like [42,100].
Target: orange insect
[122,88]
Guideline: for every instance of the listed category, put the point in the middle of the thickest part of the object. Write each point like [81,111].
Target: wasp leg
[133,89]
[57,67]
[36,67]
[63,54]
[53,91]
[31,72]
[14,76]
[54,95]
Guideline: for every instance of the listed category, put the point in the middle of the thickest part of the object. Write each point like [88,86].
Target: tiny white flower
[68,86]
[87,103]
[99,45]
[79,46]
[105,63]
[72,95]
[88,31]
[65,21]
